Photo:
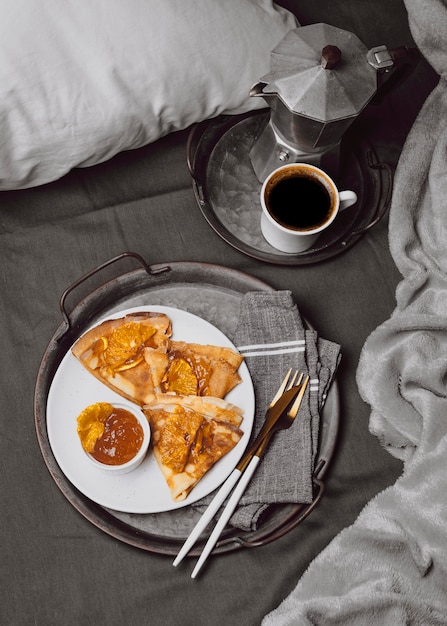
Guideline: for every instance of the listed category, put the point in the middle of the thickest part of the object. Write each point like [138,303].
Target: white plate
[143,490]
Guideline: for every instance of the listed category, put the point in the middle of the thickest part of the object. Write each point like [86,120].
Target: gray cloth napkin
[272,337]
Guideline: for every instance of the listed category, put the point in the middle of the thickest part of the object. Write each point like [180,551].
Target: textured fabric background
[56,567]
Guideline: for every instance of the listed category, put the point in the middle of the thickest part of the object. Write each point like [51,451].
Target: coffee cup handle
[347,199]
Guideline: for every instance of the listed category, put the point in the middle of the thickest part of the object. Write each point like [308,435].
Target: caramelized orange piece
[100,345]
[181,378]
[124,343]
[91,424]
[177,435]
[129,364]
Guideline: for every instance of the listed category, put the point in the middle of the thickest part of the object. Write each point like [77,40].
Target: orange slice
[90,424]
[125,342]
[129,364]
[181,379]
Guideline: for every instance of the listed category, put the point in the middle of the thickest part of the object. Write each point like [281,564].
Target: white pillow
[81,80]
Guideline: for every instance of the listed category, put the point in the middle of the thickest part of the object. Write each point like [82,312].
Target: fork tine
[297,402]
[281,388]
[287,384]
[295,382]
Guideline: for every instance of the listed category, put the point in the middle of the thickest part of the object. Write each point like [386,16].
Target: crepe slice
[113,351]
[194,369]
[189,435]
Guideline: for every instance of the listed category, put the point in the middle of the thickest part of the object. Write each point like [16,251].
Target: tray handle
[293,520]
[195,135]
[77,283]
[385,167]
[190,150]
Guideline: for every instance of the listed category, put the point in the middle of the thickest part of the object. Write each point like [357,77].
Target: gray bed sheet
[55,566]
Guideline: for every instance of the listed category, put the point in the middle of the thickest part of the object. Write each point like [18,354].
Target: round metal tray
[213,293]
[227,189]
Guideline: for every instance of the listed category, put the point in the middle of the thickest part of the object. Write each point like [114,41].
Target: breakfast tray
[213,293]
[227,190]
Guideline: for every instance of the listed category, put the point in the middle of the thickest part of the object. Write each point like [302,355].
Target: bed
[93,167]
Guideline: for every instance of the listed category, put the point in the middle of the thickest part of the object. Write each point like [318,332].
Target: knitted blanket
[390,566]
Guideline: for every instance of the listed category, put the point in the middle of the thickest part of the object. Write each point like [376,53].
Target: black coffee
[299,202]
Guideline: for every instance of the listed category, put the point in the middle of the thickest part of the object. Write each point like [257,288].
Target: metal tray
[213,293]
[227,189]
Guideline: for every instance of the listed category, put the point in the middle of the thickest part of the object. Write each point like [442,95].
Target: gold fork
[286,393]
[284,421]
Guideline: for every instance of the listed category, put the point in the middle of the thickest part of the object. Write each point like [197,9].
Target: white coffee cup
[299,201]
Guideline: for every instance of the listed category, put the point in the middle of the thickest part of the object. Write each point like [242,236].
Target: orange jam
[121,439]
[110,434]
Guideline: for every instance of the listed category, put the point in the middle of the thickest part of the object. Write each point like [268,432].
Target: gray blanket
[390,566]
